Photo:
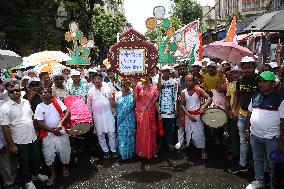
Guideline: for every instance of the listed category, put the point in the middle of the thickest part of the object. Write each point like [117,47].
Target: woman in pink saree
[146,103]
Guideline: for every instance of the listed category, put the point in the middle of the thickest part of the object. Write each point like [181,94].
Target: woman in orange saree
[146,105]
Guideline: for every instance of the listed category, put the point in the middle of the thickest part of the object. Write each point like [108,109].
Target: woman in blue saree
[126,123]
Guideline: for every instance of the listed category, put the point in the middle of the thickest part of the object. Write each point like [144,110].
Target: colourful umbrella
[47,57]
[228,51]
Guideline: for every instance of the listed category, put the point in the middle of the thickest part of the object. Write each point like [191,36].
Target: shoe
[30,185]
[115,154]
[238,169]
[65,173]
[106,155]
[50,181]
[256,185]
[171,147]
[40,177]
[204,156]
[178,145]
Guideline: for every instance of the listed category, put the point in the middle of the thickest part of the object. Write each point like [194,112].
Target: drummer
[56,141]
[191,104]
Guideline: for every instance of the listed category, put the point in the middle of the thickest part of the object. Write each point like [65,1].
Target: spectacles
[13,91]
[34,84]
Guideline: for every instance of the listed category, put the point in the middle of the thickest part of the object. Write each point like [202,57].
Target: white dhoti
[195,132]
[52,145]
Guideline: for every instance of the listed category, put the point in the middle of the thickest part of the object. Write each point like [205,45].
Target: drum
[80,119]
[214,117]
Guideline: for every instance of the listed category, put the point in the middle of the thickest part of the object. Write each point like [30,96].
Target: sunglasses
[34,84]
[60,78]
[13,91]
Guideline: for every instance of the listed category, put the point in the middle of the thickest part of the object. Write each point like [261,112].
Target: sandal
[65,173]
[50,181]
[204,156]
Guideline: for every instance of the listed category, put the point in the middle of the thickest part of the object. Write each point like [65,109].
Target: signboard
[133,56]
[131,61]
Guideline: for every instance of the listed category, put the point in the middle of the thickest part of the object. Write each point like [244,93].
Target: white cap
[247,59]
[32,79]
[166,67]
[74,72]
[57,73]
[66,68]
[176,65]
[211,63]
[225,62]
[273,65]
[206,60]
[90,71]
[26,77]
[26,73]
[235,68]
[197,63]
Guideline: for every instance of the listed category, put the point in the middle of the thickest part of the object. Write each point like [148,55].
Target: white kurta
[99,104]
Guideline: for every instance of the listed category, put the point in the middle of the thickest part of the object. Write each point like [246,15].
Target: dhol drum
[80,119]
[214,117]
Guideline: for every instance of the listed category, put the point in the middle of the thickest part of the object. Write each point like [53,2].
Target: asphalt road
[172,169]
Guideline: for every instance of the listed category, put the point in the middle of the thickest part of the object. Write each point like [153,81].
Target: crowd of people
[130,114]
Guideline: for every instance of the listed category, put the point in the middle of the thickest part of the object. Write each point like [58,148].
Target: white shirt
[155,79]
[168,98]
[19,119]
[49,114]
[266,123]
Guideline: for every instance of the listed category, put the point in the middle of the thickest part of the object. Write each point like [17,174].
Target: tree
[240,16]
[105,29]
[29,25]
[186,10]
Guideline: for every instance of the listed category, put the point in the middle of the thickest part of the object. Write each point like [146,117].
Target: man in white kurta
[99,101]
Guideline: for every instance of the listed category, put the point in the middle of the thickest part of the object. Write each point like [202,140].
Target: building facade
[247,7]
[114,6]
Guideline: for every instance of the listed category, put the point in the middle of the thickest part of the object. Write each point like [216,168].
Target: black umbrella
[268,22]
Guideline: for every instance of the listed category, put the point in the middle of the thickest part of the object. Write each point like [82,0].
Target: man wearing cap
[196,68]
[90,74]
[58,88]
[235,74]
[168,88]
[8,161]
[45,79]
[24,83]
[265,125]
[16,121]
[77,86]
[245,88]
[211,78]
[182,71]
[33,92]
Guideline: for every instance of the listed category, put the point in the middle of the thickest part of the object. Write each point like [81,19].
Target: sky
[137,11]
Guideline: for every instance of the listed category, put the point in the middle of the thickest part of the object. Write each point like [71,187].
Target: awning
[268,22]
